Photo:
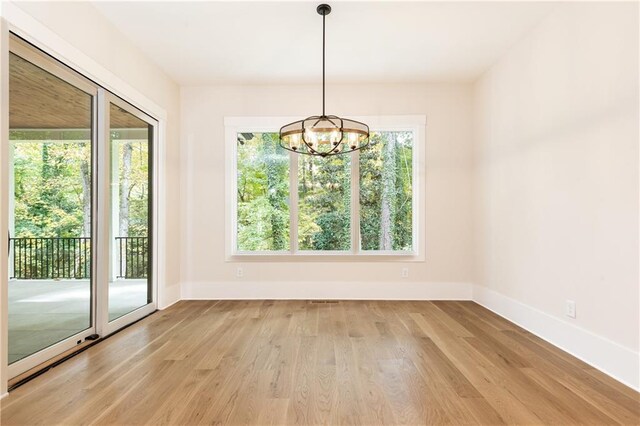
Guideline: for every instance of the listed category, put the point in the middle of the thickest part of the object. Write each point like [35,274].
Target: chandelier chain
[323,54]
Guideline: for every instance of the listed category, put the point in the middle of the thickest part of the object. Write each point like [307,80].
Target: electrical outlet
[404,273]
[571,309]
[239,273]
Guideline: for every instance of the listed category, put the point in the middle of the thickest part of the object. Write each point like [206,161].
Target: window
[364,203]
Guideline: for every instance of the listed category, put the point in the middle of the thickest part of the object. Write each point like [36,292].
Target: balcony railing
[70,258]
[132,257]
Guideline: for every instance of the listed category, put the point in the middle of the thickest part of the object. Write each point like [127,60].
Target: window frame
[413,123]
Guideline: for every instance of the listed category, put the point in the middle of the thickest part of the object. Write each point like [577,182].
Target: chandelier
[324,135]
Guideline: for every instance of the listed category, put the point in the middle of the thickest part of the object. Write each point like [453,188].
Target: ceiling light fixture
[324,135]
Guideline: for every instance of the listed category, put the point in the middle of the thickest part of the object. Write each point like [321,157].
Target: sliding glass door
[81,210]
[130,150]
[51,226]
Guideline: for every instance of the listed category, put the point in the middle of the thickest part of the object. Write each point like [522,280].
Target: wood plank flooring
[300,362]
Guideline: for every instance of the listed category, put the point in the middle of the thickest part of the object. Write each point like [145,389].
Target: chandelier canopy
[324,135]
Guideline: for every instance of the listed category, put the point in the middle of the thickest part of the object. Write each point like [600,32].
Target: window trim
[414,123]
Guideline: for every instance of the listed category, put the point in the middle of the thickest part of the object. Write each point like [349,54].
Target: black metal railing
[70,258]
[133,257]
[50,258]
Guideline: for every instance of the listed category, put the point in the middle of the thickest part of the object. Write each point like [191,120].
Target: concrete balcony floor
[44,312]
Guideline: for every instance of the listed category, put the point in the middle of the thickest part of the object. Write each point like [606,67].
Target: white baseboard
[613,359]
[4,395]
[303,290]
[169,296]
[168,305]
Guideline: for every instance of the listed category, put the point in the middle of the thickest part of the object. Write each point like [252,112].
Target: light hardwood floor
[299,362]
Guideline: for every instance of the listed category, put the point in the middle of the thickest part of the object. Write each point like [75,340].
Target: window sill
[325,257]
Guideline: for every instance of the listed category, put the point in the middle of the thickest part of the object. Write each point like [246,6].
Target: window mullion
[293,202]
[355,202]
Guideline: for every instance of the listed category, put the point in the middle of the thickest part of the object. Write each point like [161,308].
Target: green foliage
[386,172]
[52,174]
[138,194]
[263,193]
[324,194]
[48,188]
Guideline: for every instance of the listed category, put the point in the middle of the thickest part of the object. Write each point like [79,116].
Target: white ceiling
[200,43]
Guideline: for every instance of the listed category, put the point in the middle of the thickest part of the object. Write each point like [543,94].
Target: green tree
[324,193]
[49,192]
[387,202]
[276,194]
[52,184]
[263,193]
[386,192]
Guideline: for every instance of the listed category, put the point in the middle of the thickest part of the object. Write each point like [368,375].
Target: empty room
[307,213]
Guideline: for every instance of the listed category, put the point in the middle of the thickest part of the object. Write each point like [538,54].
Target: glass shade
[324,135]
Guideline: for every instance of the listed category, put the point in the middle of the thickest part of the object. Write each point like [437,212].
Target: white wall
[80,25]
[556,171]
[448,266]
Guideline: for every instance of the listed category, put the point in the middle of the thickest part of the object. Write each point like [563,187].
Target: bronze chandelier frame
[329,124]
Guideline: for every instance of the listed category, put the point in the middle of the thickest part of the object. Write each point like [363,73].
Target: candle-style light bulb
[353,140]
[335,137]
[294,141]
[311,137]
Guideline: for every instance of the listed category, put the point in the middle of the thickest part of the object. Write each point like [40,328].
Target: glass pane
[50,209]
[324,193]
[263,193]
[130,159]
[386,173]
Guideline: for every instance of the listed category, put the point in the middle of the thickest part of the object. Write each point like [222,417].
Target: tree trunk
[387,214]
[303,181]
[278,230]
[123,230]
[48,196]
[86,198]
